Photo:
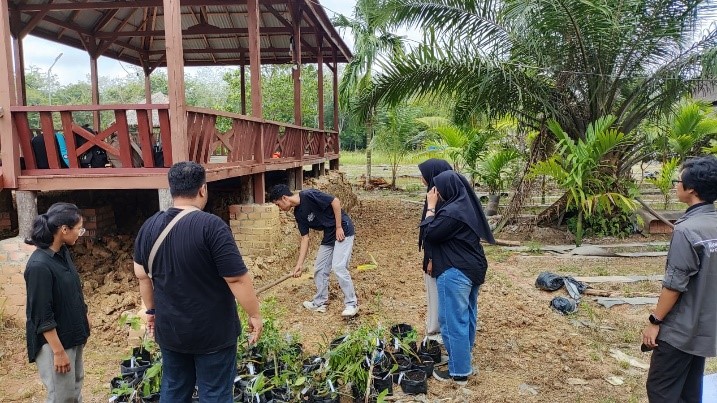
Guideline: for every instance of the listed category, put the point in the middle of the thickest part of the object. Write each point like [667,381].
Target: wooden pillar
[295,178]
[259,182]
[320,77]
[242,74]
[20,88]
[9,146]
[336,90]
[296,68]
[175,77]
[26,211]
[94,79]
[254,57]
[147,86]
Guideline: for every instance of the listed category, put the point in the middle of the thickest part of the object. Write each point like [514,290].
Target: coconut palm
[576,167]
[571,61]
[372,41]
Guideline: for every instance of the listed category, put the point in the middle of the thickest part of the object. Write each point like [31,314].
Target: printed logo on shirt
[710,245]
[311,217]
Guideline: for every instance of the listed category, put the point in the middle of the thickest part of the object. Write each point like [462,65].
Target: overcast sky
[74,64]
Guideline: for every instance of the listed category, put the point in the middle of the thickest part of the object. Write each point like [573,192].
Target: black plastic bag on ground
[563,305]
[549,281]
[574,287]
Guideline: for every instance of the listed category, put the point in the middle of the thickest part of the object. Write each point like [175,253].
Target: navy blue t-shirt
[314,212]
[195,309]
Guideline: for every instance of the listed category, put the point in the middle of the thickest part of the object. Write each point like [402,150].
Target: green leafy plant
[152,379]
[578,169]
[663,181]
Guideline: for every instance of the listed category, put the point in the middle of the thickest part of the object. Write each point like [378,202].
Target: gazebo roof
[214,31]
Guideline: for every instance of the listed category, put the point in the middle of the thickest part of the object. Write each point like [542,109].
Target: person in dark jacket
[57,322]
[683,328]
[452,236]
[429,170]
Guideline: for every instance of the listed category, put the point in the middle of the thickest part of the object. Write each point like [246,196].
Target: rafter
[105,5]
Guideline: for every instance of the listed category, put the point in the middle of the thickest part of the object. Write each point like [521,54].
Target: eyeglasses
[676,181]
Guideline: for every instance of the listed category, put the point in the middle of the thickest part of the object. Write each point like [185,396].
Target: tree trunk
[579,228]
[492,207]
[369,137]
[537,153]
[552,214]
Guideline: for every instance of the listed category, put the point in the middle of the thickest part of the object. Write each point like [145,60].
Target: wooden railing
[252,139]
[117,138]
[130,145]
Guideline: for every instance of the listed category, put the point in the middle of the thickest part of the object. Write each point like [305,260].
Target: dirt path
[525,352]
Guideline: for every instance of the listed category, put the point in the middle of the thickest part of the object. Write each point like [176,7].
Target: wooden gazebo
[172,34]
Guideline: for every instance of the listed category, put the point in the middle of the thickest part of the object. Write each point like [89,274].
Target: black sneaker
[443,376]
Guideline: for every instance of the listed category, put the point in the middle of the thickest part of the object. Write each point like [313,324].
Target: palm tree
[571,61]
[372,41]
[493,170]
[690,126]
[461,144]
[576,166]
[396,127]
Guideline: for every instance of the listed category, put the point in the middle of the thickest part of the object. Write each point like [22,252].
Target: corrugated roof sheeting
[68,27]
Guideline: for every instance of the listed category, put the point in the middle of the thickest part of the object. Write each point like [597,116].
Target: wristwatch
[654,320]
[432,210]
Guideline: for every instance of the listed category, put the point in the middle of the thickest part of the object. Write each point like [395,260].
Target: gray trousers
[433,328]
[334,258]
[61,388]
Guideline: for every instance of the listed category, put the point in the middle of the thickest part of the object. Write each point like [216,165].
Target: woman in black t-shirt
[57,321]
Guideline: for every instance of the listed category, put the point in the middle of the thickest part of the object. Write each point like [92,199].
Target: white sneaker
[350,311]
[316,308]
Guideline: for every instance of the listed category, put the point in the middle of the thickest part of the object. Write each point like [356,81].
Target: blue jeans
[457,304]
[212,373]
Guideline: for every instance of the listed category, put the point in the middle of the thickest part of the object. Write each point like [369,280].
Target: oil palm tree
[571,61]
[576,167]
[689,128]
[461,144]
[372,41]
[493,170]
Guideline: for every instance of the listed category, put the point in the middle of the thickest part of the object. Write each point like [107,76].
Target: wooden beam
[320,84]
[94,80]
[335,83]
[108,5]
[296,68]
[30,25]
[327,28]
[175,76]
[232,50]
[148,87]
[288,24]
[20,88]
[9,146]
[254,56]
[242,78]
[199,31]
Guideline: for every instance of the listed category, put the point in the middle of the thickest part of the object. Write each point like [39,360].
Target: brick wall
[256,228]
[99,221]
[14,254]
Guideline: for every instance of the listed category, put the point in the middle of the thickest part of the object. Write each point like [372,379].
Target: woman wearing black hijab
[451,234]
[429,169]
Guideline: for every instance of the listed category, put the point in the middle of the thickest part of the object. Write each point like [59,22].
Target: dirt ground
[525,351]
